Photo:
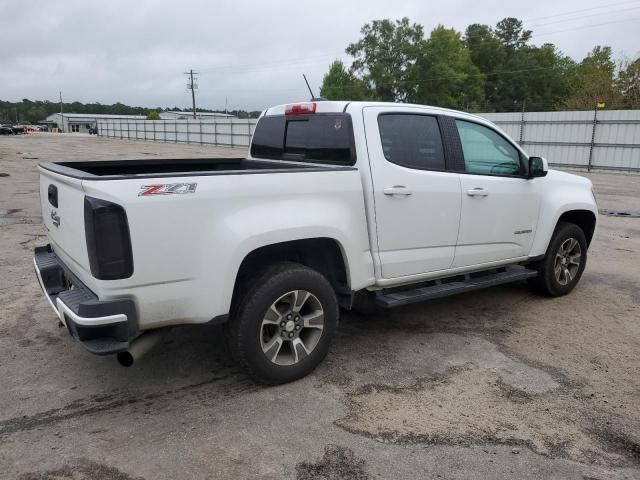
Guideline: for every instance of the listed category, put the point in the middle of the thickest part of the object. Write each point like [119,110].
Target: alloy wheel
[292,327]
[567,261]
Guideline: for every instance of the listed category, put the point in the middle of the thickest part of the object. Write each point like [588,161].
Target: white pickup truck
[339,204]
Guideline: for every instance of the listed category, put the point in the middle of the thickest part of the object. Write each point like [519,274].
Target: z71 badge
[167,189]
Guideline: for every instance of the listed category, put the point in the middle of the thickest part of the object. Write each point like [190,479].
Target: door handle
[478,192]
[397,190]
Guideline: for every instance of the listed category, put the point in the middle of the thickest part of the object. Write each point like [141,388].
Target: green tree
[341,84]
[593,81]
[153,115]
[385,57]
[537,76]
[516,71]
[512,34]
[628,82]
[488,54]
[445,74]
[485,48]
[546,85]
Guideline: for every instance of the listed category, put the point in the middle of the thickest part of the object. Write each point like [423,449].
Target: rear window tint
[320,138]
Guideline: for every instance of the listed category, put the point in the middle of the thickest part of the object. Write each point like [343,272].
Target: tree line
[490,69]
[31,112]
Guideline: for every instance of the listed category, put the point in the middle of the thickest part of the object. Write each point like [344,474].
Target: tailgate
[62,202]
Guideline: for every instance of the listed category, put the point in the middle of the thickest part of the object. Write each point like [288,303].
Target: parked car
[352,205]
[6,130]
[93,130]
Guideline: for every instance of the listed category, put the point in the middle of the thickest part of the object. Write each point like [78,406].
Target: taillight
[108,239]
[300,109]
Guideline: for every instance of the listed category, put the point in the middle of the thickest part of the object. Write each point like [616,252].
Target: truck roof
[332,106]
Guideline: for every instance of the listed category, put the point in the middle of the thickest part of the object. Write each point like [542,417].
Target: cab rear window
[317,138]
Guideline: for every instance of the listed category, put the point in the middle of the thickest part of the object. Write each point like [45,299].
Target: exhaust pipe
[139,347]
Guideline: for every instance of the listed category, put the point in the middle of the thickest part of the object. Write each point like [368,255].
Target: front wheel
[284,323]
[560,270]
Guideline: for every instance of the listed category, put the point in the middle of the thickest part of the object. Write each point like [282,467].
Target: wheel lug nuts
[297,319]
[284,334]
[297,327]
[291,335]
[282,324]
[289,317]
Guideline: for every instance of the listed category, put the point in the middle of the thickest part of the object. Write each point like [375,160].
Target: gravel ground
[497,384]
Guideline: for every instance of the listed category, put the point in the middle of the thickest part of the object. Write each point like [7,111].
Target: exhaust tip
[139,347]
[125,359]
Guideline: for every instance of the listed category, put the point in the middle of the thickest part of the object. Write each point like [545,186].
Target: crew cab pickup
[353,205]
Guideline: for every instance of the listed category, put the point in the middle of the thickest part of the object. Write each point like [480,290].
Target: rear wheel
[561,269]
[284,323]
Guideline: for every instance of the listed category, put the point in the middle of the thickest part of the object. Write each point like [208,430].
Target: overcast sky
[252,52]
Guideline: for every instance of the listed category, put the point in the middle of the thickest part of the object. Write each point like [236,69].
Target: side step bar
[451,286]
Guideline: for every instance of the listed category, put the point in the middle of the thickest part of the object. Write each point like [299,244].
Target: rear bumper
[101,326]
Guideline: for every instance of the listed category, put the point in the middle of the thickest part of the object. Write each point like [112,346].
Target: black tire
[245,328]
[547,282]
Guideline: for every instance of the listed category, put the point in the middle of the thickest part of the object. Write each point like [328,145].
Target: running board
[453,285]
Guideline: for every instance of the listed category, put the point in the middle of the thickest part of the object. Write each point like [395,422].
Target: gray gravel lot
[497,384]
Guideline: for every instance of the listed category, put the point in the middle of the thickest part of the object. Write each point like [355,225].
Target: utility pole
[192,85]
[61,114]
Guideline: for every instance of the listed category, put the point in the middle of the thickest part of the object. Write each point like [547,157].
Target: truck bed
[155,168]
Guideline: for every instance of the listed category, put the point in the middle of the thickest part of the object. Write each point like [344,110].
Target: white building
[82,122]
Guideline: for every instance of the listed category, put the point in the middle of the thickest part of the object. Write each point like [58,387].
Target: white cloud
[251,52]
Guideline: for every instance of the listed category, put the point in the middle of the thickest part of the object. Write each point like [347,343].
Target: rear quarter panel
[187,248]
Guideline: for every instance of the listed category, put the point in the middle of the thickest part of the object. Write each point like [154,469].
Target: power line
[432,79]
[586,26]
[572,12]
[277,64]
[583,17]
[293,62]
[274,64]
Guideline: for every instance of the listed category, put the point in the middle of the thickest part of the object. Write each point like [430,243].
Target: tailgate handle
[52,195]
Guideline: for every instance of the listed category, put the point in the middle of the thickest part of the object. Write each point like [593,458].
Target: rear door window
[412,141]
[318,138]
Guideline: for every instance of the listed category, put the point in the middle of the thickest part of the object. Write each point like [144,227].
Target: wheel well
[321,254]
[585,219]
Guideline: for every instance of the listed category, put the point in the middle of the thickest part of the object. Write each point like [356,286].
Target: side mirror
[538,167]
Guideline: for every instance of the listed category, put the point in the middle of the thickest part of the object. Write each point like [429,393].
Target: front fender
[562,193]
